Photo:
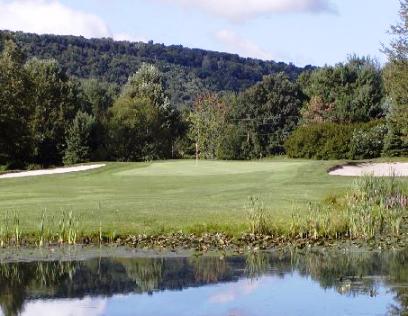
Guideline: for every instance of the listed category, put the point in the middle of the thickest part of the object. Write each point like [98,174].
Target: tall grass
[257,217]
[374,206]
[65,232]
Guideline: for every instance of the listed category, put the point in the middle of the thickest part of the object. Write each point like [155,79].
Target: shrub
[229,147]
[320,141]
[368,141]
[337,141]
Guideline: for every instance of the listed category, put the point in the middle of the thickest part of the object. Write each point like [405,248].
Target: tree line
[48,118]
[187,72]
[352,110]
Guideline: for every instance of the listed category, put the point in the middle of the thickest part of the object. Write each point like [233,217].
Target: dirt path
[34,173]
[376,169]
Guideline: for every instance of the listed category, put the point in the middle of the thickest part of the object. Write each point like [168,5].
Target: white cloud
[244,47]
[128,37]
[238,10]
[52,17]
[42,16]
[234,292]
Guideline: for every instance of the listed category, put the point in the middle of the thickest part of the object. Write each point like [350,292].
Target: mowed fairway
[169,195]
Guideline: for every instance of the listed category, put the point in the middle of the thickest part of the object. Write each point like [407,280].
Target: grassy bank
[133,198]
[205,205]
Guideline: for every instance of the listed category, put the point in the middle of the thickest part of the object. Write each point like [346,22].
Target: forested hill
[188,71]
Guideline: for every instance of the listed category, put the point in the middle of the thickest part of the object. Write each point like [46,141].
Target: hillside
[188,71]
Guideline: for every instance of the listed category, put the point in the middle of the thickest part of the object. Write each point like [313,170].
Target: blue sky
[300,31]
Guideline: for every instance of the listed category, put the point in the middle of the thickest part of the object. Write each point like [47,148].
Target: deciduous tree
[15,136]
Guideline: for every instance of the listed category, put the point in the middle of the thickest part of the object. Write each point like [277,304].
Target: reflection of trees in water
[348,274]
[209,269]
[18,279]
[359,273]
[398,277]
[146,273]
[351,274]
[256,264]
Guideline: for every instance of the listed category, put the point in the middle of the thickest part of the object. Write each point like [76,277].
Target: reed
[257,217]
[17,230]
[41,239]
[373,207]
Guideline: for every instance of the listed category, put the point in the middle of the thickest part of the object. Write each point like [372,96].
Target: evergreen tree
[79,139]
[396,80]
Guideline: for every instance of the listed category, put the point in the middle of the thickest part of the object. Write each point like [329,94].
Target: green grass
[171,195]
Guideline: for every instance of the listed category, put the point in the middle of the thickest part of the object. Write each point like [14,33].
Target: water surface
[290,283]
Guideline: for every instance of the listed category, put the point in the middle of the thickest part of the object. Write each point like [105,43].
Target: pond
[284,283]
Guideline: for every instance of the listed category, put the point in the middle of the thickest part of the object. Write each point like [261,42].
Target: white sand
[376,169]
[43,172]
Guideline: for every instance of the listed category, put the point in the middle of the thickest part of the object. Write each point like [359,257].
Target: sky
[302,32]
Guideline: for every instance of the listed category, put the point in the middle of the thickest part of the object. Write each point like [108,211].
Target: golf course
[168,196]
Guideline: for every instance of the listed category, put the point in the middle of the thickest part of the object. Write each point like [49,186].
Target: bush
[336,141]
[368,141]
[229,147]
[320,141]
[396,140]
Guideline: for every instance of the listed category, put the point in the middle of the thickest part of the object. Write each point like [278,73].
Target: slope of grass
[171,195]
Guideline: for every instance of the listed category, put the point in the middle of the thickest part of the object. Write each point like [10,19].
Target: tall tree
[267,113]
[208,123]
[15,136]
[55,102]
[79,142]
[396,81]
[398,50]
[344,93]
[144,123]
[98,97]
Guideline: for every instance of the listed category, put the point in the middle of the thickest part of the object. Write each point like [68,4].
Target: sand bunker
[34,173]
[399,169]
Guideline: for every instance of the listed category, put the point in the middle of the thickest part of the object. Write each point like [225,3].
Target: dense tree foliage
[79,139]
[208,123]
[15,142]
[267,113]
[144,124]
[253,124]
[340,98]
[98,97]
[187,71]
[344,93]
[337,141]
[54,101]
[396,81]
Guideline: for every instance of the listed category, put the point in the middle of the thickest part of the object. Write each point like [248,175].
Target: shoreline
[180,245]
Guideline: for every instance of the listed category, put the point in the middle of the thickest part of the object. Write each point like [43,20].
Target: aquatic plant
[72,229]
[256,264]
[61,228]
[373,207]
[42,231]
[17,231]
[257,217]
[100,233]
